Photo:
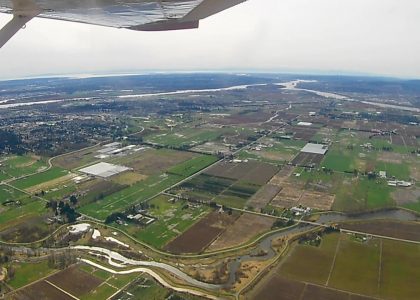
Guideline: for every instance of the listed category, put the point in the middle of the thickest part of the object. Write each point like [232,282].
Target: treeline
[10,142]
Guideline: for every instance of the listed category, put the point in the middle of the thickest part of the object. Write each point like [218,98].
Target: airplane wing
[143,15]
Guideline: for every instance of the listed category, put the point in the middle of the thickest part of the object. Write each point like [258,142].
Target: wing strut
[11,28]
[23,12]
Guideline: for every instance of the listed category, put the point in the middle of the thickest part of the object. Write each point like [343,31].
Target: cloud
[367,36]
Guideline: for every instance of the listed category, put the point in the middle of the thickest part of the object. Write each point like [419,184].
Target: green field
[17,166]
[136,193]
[172,218]
[8,193]
[352,193]
[36,179]
[223,191]
[185,138]
[26,273]
[192,166]
[16,215]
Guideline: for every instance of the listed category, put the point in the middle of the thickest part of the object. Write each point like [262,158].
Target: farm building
[104,170]
[315,148]
[310,155]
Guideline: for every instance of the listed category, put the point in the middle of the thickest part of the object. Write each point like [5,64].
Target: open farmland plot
[222,190]
[246,227]
[307,159]
[40,290]
[317,200]
[185,138]
[19,215]
[352,257]
[373,268]
[192,166]
[351,193]
[309,263]
[77,159]
[40,178]
[400,270]
[17,166]
[8,193]
[152,161]
[96,190]
[251,171]
[173,217]
[201,234]
[136,193]
[75,281]
[263,196]
[406,230]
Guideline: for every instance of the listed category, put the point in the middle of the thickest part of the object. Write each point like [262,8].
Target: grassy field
[8,193]
[17,166]
[19,214]
[172,218]
[136,193]
[186,137]
[36,179]
[26,273]
[352,193]
[192,166]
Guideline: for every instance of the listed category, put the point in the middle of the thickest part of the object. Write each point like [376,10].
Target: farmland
[335,267]
[173,217]
[201,234]
[215,191]
[185,138]
[36,179]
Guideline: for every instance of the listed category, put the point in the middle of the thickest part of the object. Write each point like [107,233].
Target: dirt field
[252,117]
[155,161]
[289,195]
[302,132]
[201,234]
[292,195]
[251,171]
[390,157]
[40,290]
[409,231]
[75,281]
[307,159]
[276,288]
[128,178]
[317,200]
[244,229]
[406,196]
[263,196]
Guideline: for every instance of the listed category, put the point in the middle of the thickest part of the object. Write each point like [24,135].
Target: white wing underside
[135,14]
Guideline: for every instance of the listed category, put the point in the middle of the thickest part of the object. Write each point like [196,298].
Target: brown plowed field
[75,281]
[251,171]
[244,229]
[40,290]
[407,231]
[201,234]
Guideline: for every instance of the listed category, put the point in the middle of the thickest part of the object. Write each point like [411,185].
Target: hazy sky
[356,36]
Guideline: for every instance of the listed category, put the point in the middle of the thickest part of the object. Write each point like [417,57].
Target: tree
[73,199]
